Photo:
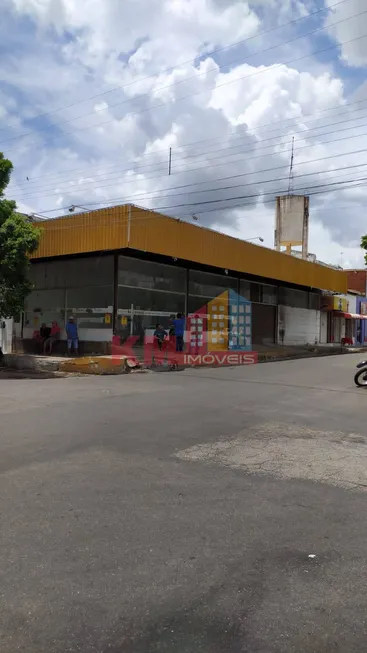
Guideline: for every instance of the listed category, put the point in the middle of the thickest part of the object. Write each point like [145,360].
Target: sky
[94,96]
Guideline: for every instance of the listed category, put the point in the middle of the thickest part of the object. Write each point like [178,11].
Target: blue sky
[103,90]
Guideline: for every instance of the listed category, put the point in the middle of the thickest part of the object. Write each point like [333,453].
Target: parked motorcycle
[360,378]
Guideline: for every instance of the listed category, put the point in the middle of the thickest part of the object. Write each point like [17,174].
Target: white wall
[323,327]
[339,329]
[85,335]
[6,336]
[95,335]
[17,329]
[301,326]
[352,303]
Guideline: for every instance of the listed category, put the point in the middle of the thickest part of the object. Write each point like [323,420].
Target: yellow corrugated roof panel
[123,226]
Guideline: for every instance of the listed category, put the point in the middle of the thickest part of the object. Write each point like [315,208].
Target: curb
[113,366]
[97,365]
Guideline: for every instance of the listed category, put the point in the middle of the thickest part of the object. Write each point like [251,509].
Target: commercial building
[343,319]
[357,281]
[121,271]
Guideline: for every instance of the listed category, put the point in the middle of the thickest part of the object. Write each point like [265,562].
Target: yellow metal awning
[127,226]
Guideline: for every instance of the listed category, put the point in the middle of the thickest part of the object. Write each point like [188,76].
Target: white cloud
[351,31]
[117,26]
[239,119]
[321,241]
[262,90]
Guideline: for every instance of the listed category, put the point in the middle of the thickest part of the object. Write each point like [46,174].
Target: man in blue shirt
[72,335]
[179,326]
[160,334]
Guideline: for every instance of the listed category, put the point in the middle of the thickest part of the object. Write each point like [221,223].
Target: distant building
[357,281]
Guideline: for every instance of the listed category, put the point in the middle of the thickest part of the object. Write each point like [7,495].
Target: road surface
[206,511]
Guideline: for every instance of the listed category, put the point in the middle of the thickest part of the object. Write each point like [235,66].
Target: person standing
[160,335]
[53,337]
[44,334]
[179,327]
[72,336]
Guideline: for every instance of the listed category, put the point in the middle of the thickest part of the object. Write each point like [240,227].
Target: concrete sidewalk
[113,364]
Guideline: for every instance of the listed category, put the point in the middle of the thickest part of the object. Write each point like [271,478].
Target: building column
[187,291]
[115,292]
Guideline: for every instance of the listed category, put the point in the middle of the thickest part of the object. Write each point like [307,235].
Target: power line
[159,166]
[208,190]
[193,61]
[258,72]
[128,182]
[215,138]
[254,183]
[245,197]
[315,209]
[241,204]
[222,150]
[320,190]
[311,117]
[158,194]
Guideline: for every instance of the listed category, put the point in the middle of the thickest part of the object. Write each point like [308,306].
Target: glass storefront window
[203,287]
[269,294]
[82,287]
[150,275]
[92,307]
[258,293]
[37,275]
[314,301]
[149,293]
[255,292]
[293,297]
[44,306]
[245,289]
[73,273]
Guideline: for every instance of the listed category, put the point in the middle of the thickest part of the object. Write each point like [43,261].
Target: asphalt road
[178,512]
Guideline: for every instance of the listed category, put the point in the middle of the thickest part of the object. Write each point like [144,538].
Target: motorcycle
[360,378]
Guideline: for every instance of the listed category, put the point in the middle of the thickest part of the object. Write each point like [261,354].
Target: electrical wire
[193,61]
[212,138]
[297,163]
[259,195]
[153,215]
[260,183]
[207,202]
[176,100]
[255,147]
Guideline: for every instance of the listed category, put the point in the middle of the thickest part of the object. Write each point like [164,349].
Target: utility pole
[290,187]
[290,181]
[170,161]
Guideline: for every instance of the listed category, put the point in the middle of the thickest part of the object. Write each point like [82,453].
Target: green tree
[364,246]
[18,239]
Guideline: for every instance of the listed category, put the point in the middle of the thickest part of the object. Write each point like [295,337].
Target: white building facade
[6,336]
[299,318]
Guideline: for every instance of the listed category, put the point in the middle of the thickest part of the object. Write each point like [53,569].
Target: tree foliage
[18,239]
[364,246]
